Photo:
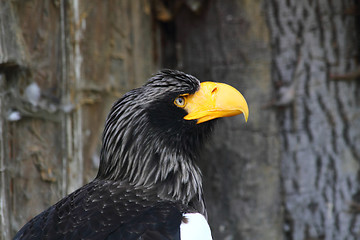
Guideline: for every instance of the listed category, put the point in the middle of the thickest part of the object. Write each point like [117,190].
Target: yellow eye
[180,101]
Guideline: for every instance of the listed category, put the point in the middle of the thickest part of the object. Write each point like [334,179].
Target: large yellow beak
[215,100]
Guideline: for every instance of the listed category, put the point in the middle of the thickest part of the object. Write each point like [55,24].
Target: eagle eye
[180,101]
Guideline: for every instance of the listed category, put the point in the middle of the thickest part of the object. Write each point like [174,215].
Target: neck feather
[143,159]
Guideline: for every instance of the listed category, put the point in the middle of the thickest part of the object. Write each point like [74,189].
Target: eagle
[148,185]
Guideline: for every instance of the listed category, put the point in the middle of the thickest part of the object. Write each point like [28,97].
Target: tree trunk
[320,119]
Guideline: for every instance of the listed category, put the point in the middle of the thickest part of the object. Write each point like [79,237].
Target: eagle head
[153,134]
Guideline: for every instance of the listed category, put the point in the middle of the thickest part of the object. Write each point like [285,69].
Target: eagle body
[148,183]
[105,209]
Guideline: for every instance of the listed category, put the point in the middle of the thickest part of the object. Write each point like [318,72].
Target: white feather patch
[196,228]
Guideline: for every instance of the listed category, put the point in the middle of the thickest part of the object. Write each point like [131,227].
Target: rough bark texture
[320,117]
[82,55]
[228,42]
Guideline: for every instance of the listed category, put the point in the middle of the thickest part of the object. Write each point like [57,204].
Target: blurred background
[291,172]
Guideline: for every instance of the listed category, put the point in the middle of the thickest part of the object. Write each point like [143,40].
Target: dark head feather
[147,142]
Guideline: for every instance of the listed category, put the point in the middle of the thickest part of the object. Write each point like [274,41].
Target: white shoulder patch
[195,228]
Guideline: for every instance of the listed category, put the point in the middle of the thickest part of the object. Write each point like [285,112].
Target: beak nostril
[214,90]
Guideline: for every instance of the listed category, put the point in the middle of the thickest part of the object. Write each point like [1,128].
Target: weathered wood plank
[12,52]
[4,183]
[83,56]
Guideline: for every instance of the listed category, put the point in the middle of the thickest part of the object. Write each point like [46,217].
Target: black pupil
[180,101]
